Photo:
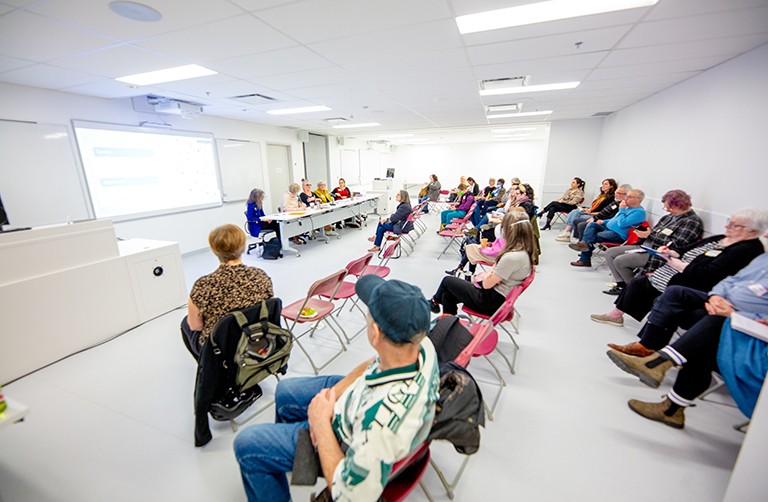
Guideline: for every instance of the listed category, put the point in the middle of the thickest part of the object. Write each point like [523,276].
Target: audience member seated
[472,186]
[523,201]
[292,202]
[432,191]
[682,307]
[473,253]
[396,222]
[254,211]
[615,229]
[360,425]
[231,286]
[696,351]
[455,193]
[565,204]
[701,266]
[606,197]
[681,228]
[487,291]
[321,193]
[460,208]
[489,202]
[608,211]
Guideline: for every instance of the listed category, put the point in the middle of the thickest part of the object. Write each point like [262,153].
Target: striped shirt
[660,277]
[380,419]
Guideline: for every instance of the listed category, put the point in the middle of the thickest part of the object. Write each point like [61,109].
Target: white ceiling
[401,63]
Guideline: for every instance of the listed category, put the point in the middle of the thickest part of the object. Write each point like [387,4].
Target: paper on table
[748,326]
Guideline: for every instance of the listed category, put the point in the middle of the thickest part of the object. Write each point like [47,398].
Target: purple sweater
[466,202]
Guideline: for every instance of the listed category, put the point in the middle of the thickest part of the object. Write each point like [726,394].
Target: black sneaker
[433,306]
[234,403]
[614,291]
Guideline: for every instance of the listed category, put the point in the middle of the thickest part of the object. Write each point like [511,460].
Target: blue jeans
[447,215]
[422,199]
[265,451]
[573,216]
[596,232]
[381,230]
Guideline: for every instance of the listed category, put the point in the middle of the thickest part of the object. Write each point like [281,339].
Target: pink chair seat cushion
[323,308]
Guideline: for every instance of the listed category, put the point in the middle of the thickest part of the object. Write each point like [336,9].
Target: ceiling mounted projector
[184,110]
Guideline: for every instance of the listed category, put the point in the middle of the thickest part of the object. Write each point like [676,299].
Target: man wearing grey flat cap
[360,424]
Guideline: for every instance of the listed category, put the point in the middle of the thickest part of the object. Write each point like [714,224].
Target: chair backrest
[389,251]
[327,286]
[632,237]
[406,474]
[356,267]
[507,309]
[479,333]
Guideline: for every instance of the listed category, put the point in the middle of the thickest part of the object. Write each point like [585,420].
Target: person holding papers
[678,230]
[700,267]
[615,229]
[696,352]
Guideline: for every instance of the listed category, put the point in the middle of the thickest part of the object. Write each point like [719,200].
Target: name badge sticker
[666,231]
[758,289]
[712,253]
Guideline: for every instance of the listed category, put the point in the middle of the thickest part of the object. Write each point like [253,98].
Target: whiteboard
[240,168]
[40,180]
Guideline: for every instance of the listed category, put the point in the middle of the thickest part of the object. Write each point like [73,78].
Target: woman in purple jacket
[465,202]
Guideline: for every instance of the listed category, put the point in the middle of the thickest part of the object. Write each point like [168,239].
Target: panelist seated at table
[342,192]
[322,194]
[254,212]
[292,202]
[306,195]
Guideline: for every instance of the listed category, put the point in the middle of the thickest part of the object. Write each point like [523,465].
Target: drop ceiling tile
[725,47]
[397,42]
[260,4]
[641,70]
[29,36]
[119,61]
[95,16]
[679,8]
[555,45]
[719,25]
[664,80]
[105,88]
[235,36]
[9,63]
[311,78]
[413,63]
[319,20]
[275,62]
[584,62]
[346,89]
[48,76]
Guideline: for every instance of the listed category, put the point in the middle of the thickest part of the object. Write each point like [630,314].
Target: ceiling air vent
[337,121]
[503,83]
[254,98]
[512,107]
[602,114]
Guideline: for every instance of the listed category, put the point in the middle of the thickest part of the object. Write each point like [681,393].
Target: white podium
[64,288]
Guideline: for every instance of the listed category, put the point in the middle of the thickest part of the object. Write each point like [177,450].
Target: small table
[294,223]
[15,412]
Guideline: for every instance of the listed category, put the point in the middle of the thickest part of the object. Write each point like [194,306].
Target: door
[279,168]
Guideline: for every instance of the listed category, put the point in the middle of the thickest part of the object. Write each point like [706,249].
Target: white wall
[190,229]
[573,150]
[706,136]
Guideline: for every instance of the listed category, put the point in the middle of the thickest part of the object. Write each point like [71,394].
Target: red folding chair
[505,313]
[406,474]
[454,232]
[346,290]
[382,270]
[326,287]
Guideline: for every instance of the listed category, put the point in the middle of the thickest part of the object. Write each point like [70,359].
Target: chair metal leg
[449,486]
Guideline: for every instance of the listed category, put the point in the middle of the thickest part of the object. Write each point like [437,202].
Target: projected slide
[131,171]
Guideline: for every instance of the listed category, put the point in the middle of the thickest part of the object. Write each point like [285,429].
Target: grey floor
[115,423]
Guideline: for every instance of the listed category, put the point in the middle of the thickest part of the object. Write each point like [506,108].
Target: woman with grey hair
[397,221]
[291,202]
[700,266]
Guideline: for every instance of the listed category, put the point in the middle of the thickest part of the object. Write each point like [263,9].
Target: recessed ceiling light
[167,75]
[525,114]
[350,126]
[388,136]
[513,107]
[529,88]
[541,12]
[305,109]
[515,130]
[134,10]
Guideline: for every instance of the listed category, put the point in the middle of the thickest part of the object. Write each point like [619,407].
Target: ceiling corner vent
[254,98]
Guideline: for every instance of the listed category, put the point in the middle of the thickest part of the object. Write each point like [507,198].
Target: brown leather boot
[655,411]
[632,349]
[652,377]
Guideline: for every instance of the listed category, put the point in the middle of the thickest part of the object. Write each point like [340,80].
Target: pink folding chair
[382,270]
[315,299]
[505,313]
[406,474]
[454,232]
[346,290]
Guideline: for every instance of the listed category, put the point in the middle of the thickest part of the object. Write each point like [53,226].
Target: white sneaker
[563,238]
